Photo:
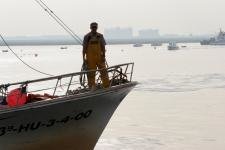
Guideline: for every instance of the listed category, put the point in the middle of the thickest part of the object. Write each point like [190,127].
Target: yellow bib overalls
[95,61]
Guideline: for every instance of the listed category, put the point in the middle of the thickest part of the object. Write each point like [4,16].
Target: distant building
[118,33]
[149,33]
[172,36]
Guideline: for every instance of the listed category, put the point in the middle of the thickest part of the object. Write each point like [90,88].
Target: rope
[22,60]
[80,40]
[59,21]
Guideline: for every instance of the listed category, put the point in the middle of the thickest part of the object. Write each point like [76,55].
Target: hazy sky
[25,17]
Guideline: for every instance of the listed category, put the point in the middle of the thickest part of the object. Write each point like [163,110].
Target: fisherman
[94,56]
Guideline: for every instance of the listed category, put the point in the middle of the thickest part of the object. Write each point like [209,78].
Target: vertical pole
[56,86]
[126,69]
[131,72]
[113,76]
[69,85]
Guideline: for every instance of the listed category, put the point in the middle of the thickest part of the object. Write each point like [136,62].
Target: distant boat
[183,46]
[172,46]
[138,45]
[156,44]
[5,51]
[63,47]
[218,40]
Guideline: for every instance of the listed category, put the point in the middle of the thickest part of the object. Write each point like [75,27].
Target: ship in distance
[217,40]
[173,46]
[138,45]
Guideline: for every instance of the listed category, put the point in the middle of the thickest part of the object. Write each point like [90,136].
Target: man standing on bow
[94,56]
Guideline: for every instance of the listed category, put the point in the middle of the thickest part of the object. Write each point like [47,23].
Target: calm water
[178,105]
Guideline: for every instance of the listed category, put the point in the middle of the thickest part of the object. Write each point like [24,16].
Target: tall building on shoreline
[127,33]
[118,33]
[149,33]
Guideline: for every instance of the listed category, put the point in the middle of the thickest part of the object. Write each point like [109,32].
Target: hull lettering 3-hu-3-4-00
[43,124]
[52,118]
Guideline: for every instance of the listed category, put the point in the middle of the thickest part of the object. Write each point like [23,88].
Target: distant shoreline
[65,40]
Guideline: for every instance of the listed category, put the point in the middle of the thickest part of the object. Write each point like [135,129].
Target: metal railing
[73,83]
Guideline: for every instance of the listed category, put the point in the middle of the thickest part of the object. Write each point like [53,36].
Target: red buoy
[16,98]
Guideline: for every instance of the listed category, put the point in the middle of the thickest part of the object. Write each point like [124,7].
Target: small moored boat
[5,51]
[63,47]
[172,46]
[138,45]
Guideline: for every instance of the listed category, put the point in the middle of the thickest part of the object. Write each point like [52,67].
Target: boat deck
[52,88]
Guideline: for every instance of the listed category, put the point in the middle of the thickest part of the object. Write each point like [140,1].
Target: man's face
[94,29]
